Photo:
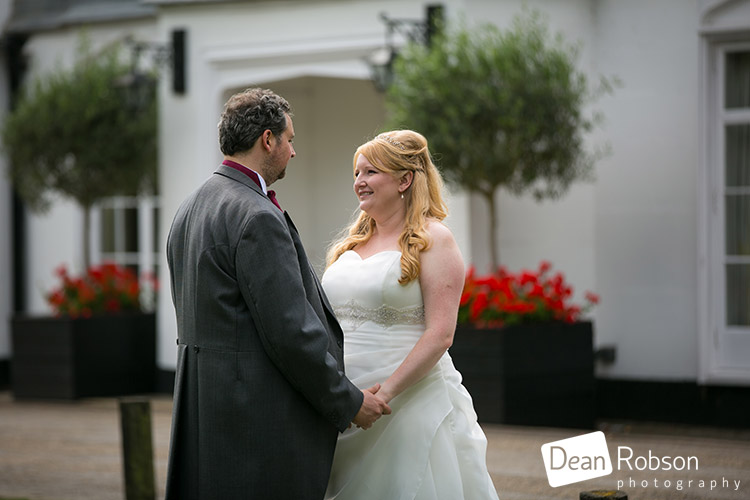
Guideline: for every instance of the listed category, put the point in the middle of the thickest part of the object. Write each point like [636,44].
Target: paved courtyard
[71,451]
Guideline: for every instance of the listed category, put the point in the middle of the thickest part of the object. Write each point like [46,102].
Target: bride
[395,282]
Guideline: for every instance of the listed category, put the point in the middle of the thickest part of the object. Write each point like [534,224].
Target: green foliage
[76,133]
[500,108]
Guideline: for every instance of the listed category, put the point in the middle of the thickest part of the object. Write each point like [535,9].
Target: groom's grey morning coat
[260,391]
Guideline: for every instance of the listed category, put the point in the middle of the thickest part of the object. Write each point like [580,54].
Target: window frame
[715,336]
[148,254]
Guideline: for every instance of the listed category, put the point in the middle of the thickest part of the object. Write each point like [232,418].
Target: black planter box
[64,358]
[537,374]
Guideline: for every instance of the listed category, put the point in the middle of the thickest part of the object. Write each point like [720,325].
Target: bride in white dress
[395,282]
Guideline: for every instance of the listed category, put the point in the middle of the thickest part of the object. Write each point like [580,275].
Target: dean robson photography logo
[587,456]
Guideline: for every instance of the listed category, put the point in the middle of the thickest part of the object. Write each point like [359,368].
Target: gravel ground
[72,451]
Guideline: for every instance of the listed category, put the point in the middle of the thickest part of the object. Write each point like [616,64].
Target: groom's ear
[265,140]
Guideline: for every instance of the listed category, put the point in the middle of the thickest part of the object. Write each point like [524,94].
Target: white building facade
[662,234]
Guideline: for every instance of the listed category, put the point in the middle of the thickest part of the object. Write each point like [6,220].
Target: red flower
[527,277]
[536,291]
[103,289]
[478,306]
[507,298]
[96,274]
[61,271]
[592,297]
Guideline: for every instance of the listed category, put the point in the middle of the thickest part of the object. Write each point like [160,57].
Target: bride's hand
[377,389]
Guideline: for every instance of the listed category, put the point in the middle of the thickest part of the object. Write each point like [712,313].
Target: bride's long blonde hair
[396,153]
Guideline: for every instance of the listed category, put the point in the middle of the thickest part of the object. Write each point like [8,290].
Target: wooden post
[137,450]
[603,495]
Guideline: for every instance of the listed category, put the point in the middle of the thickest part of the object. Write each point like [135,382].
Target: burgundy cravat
[254,177]
[272,196]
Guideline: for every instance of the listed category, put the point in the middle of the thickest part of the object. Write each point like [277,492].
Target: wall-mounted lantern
[417,31]
[139,82]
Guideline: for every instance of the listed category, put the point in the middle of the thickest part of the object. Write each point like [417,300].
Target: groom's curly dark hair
[246,115]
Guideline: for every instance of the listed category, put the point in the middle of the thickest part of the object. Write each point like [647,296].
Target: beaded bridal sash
[355,314]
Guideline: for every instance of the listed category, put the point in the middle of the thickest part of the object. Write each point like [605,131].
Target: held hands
[373,407]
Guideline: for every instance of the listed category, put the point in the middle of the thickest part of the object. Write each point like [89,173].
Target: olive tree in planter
[500,109]
[78,133]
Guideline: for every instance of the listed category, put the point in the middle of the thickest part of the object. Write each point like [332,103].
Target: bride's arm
[441,278]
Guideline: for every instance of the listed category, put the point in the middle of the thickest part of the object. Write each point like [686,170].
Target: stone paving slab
[71,451]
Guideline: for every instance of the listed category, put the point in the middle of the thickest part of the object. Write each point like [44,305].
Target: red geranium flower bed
[104,289]
[505,298]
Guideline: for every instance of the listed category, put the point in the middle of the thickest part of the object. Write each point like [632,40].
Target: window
[125,231]
[737,187]
[726,325]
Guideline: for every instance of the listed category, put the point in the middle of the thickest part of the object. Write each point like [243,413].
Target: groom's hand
[372,408]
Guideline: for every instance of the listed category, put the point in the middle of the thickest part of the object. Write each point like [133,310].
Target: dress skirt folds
[431,446]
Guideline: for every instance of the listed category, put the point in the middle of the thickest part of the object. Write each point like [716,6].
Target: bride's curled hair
[396,153]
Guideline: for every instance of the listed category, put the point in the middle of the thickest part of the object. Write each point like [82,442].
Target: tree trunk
[494,247]
[86,236]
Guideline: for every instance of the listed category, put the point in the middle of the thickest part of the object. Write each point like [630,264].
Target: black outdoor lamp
[139,83]
[418,31]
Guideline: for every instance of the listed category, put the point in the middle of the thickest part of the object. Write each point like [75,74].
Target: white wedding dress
[431,446]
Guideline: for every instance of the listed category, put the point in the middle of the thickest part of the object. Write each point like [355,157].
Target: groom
[260,391]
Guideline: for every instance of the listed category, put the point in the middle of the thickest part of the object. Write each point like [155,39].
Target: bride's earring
[402,196]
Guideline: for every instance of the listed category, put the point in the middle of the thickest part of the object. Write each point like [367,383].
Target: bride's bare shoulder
[439,232]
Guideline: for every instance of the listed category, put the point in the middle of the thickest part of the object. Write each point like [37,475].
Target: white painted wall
[631,236]
[646,207]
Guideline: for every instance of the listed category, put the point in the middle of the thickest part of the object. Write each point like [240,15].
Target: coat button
[196,349]
[341,344]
